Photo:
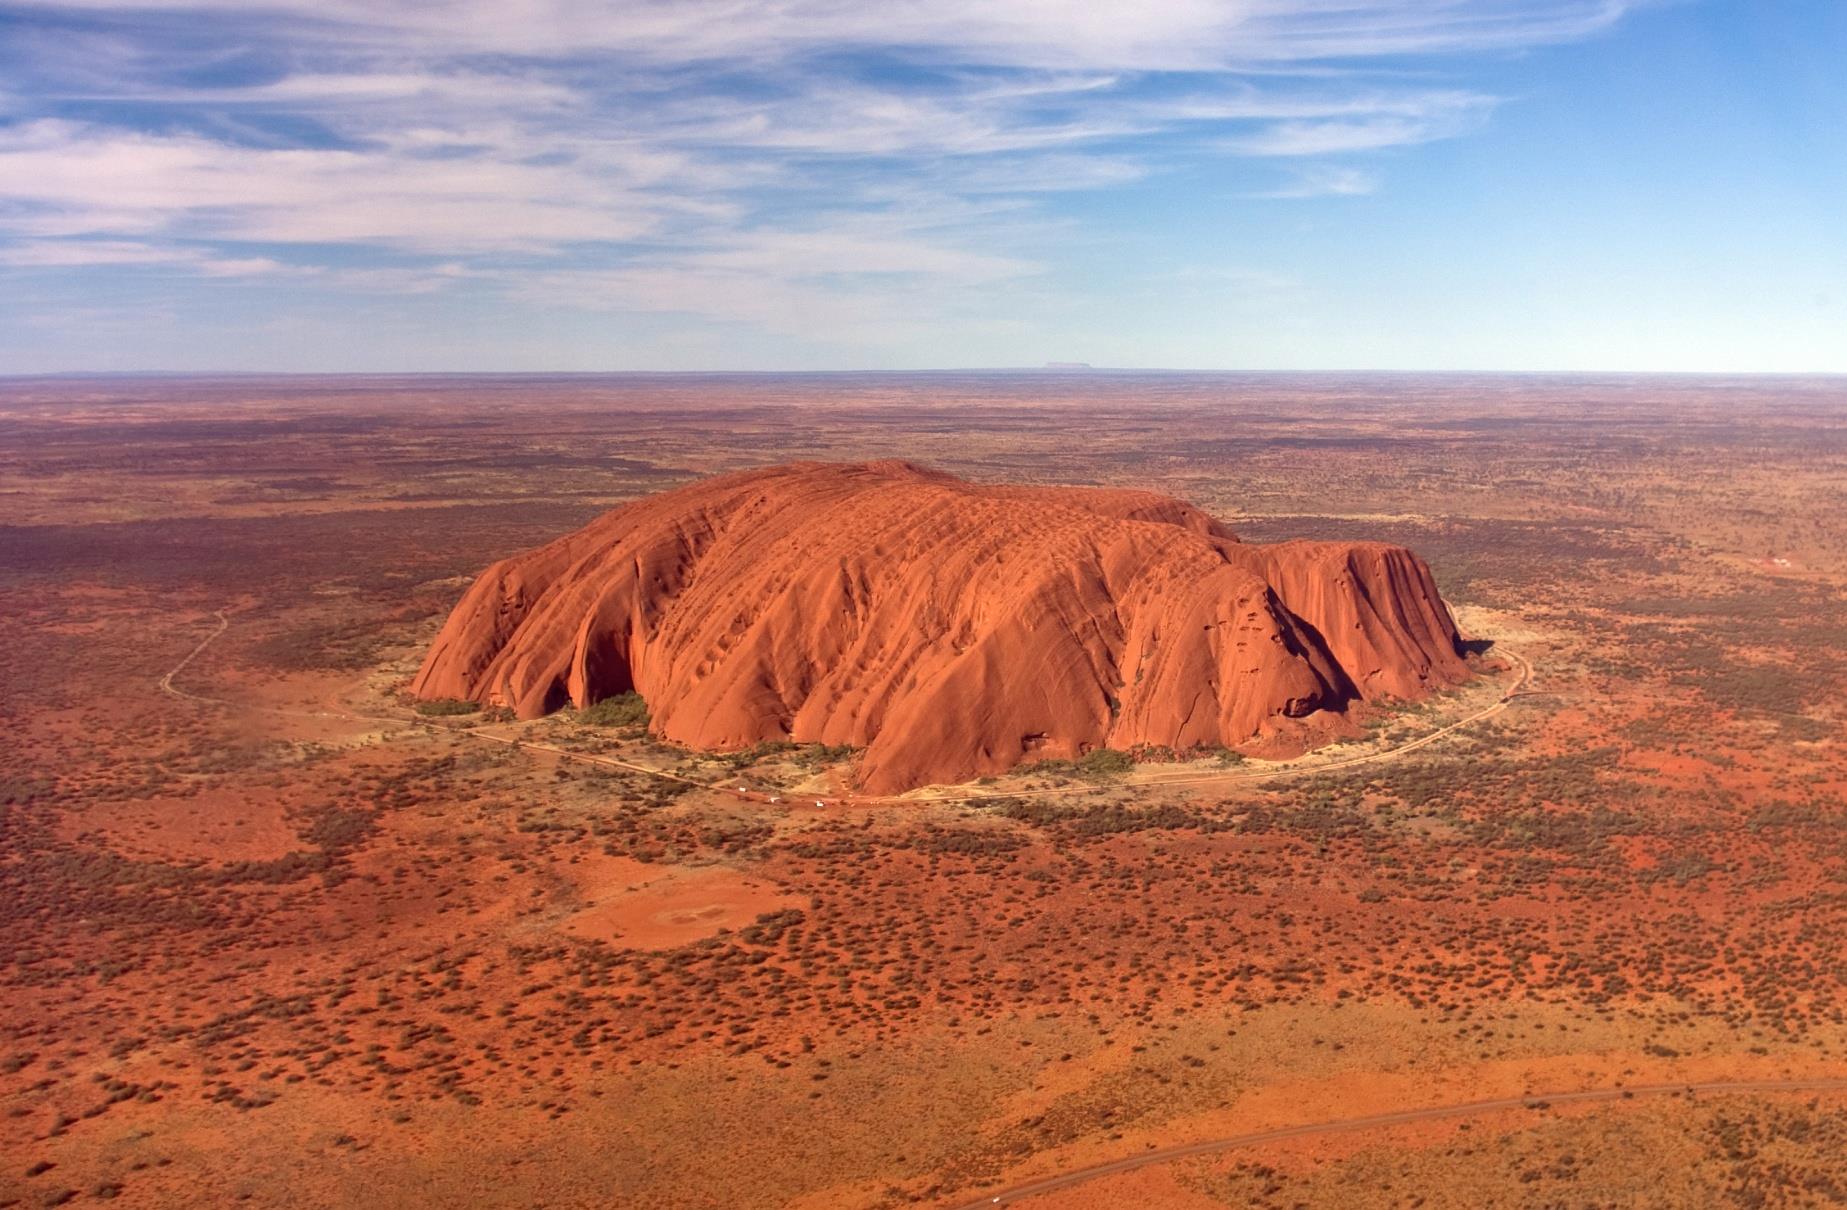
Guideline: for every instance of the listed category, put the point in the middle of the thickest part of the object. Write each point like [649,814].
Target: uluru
[948,629]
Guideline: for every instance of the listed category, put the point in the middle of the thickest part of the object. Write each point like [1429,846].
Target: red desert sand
[949,629]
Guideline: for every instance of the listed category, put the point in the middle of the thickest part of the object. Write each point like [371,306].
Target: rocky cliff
[949,629]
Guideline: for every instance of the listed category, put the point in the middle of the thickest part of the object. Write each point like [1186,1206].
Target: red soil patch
[635,905]
[217,825]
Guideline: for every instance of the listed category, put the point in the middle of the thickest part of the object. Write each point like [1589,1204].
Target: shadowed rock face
[949,629]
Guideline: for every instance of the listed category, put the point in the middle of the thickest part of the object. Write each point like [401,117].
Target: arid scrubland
[277,936]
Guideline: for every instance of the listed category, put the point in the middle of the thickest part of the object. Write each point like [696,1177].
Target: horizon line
[1073,371]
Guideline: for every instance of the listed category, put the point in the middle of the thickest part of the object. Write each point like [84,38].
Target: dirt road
[1301,766]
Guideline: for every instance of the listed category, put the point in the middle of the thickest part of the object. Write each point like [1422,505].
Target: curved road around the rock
[1524,672]
[1052,1184]
[1516,689]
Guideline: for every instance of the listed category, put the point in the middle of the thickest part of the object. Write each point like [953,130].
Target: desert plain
[1571,932]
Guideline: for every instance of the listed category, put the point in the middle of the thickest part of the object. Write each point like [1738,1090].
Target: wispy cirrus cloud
[1322,180]
[79,178]
[1186,35]
[1344,135]
[63,254]
[742,161]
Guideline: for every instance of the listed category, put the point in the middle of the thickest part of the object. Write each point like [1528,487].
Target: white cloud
[1175,35]
[1330,138]
[52,254]
[1323,180]
[39,254]
[802,254]
[314,91]
[849,313]
[69,178]
[726,158]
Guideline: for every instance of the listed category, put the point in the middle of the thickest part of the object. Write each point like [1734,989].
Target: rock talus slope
[949,629]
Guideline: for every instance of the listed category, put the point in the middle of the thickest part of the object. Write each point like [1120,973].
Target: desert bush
[337,829]
[824,754]
[347,645]
[1105,762]
[444,707]
[743,758]
[980,843]
[1037,811]
[1112,818]
[622,710]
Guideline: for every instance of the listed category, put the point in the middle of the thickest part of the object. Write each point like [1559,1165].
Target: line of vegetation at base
[1098,762]
[804,756]
[1113,762]
[623,710]
[444,707]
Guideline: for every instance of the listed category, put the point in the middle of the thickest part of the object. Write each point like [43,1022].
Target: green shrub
[1105,762]
[623,710]
[824,754]
[336,829]
[1098,762]
[443,707]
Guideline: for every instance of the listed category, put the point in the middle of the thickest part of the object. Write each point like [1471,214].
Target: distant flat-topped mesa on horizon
[950,629]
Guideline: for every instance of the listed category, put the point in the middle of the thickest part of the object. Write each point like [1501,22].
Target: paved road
[1053,1184]
[1306,766]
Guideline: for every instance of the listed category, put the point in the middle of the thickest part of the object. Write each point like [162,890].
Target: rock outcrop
[949,629]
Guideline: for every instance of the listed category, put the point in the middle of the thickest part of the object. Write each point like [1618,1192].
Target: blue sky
[377,185]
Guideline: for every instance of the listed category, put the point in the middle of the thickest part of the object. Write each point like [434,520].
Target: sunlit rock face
[949,629]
